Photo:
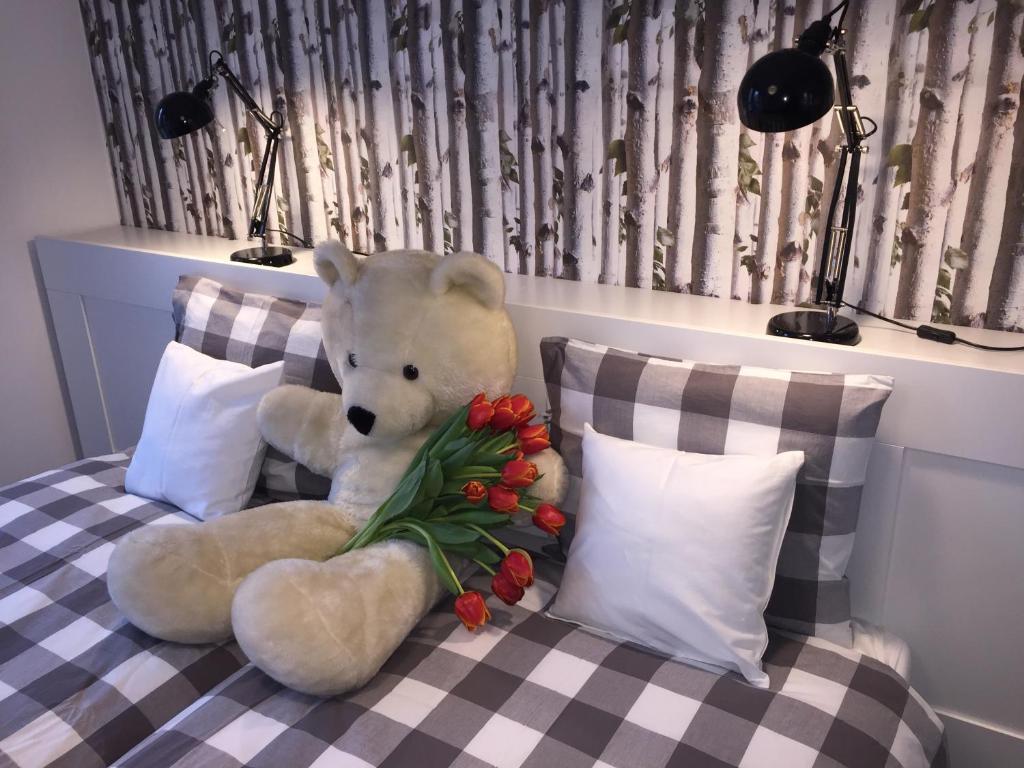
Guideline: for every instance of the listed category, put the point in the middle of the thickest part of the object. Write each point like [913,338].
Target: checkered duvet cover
[81,687]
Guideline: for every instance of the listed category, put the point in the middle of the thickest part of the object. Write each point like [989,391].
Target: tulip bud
[549,519]
[474,491]
[502,499]
[507,590]
[519,473]
[480,413]
[518,568]
[504,416]
[472,610]
[533,438]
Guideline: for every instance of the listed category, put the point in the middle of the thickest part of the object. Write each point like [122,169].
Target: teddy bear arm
[304,424]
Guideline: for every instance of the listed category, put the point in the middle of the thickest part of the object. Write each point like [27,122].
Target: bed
[81,687]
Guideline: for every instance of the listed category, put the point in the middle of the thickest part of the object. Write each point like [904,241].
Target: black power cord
[932,333]
[300,240]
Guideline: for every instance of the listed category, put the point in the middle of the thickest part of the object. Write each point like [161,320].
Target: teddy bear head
[412,336]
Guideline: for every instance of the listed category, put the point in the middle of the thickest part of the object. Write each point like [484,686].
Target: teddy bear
[412,337]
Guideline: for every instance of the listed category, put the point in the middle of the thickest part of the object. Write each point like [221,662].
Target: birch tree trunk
[409,221]
[682,177]
[557,11]
[751,158]
[611,181]
[540,79]
[328,28]
[379,126]
[117,115]
[94,39]
[423,14]
[988,197]
[894,133]
[641,164]
[224,133]
[148,51]
[507,108]
[718,133]
[481,32]
[664,100]
[581,250]
[153,194]
[932,169]
[348,51]
[796,150]
[190,72]
[972,104]
[527,225]
[766,248]
[453,39]
[440,118]
[874,22]
[1005,310]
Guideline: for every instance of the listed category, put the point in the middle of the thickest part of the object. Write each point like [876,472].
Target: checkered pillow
[722,409]
[254,329]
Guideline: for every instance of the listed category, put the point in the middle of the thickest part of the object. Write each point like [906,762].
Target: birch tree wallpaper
[590,140]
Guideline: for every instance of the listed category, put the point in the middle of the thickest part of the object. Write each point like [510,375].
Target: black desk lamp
[183,112]
[789,89]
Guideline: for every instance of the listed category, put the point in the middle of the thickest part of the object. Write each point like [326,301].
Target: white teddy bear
[412,337]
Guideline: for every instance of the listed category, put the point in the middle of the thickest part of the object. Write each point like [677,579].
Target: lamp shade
[183,112]
[785,90]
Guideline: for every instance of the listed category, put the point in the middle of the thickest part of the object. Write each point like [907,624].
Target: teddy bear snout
[361,419]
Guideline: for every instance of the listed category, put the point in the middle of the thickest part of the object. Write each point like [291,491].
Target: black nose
[361,419]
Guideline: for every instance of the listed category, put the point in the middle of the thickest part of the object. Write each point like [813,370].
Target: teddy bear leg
[176,582]
[327,627]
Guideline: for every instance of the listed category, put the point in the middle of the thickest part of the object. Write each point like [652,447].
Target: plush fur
[321,625]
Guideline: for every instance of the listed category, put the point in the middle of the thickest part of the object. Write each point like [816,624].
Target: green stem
[486,567]
[427,537]
[501,547]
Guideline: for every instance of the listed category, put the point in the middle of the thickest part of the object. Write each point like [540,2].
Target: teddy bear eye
[411,372]
[352,359]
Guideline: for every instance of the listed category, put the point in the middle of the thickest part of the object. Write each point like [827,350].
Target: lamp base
[270,256]
[812,325]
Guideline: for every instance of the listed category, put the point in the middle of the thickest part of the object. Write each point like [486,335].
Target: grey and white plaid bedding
[255,329]
[81,687]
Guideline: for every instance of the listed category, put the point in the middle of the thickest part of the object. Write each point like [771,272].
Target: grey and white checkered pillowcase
[719,409]
[255,329]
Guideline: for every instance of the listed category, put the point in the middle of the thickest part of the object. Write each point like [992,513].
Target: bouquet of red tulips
[466,481]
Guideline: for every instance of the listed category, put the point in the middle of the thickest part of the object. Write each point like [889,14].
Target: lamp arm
[222,69]
[268,165]
[838,242]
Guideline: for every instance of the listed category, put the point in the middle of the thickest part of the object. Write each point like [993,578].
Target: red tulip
[511,412]
[507,590]
[519,473]
[549,519]
[480,413]
[472,610]
[502,499]
[474,491]
[518,568]
[533,438]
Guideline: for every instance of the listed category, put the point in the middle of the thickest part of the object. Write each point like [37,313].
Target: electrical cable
[300,240]
[932,333]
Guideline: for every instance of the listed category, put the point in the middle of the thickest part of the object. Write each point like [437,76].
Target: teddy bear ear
[334,262]
[472,273]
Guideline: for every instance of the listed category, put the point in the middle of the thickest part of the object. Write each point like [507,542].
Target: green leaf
[459,458]
[616,150]
[901,158]
[403,497]
[433,479]
[919,19]
[664,237]
[910,6]
[448,533]
[616,15]
[621,34]
[745,141]
[956,258]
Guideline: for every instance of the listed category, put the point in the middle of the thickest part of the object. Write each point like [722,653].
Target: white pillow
[201,449]
[677,551]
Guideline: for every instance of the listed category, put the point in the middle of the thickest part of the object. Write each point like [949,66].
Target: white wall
[54,177]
